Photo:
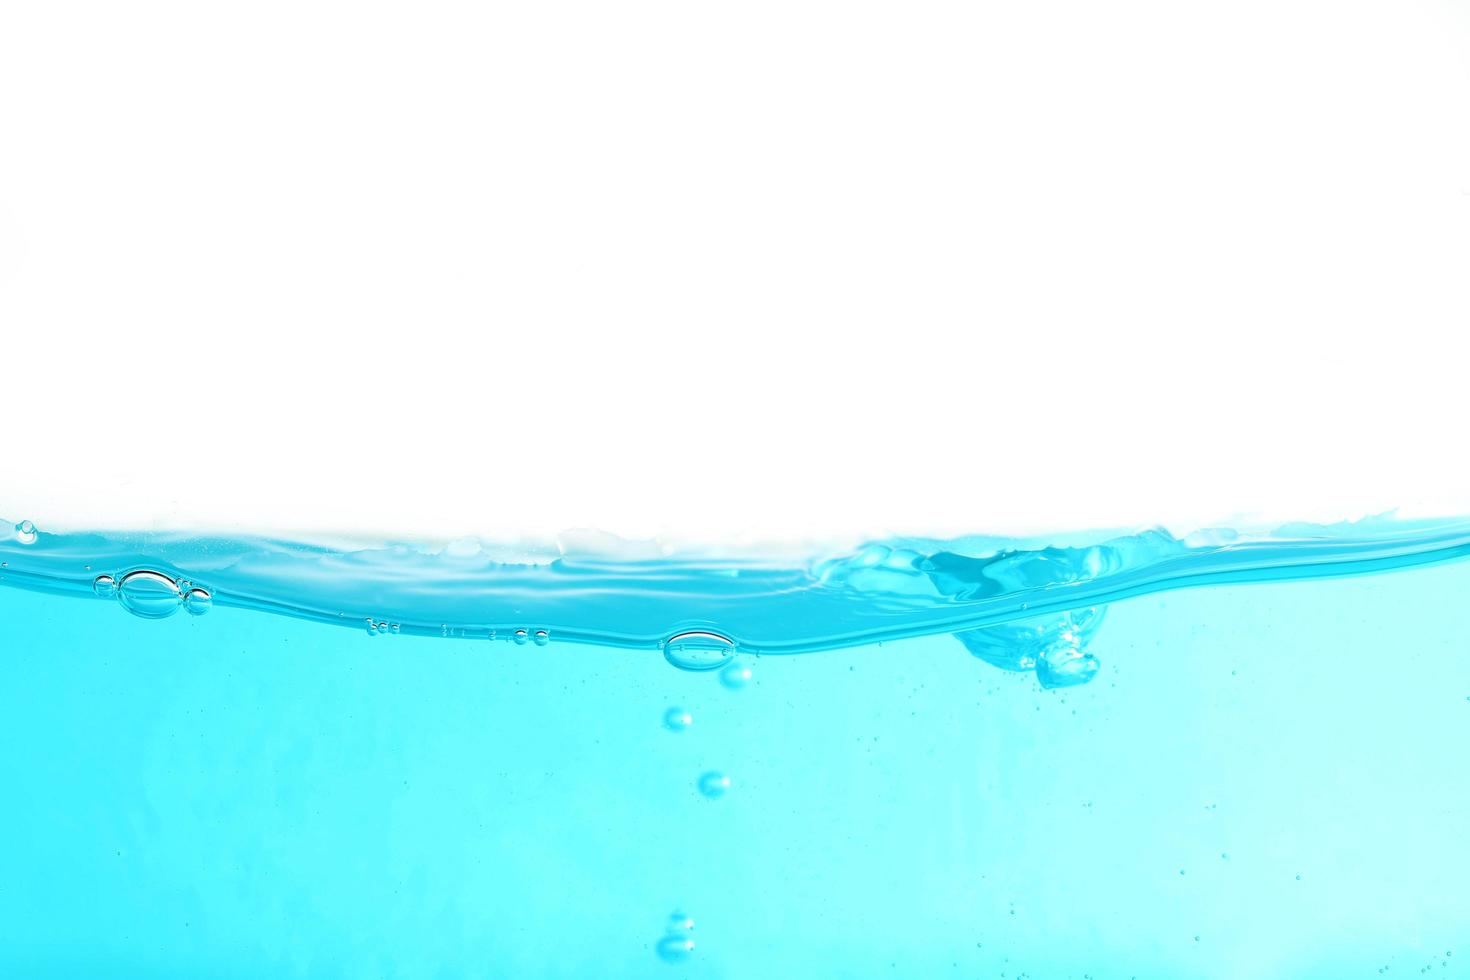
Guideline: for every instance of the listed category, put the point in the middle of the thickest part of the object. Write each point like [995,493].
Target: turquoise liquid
[1233,755]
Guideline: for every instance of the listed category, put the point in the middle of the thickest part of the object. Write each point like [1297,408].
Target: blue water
[1235,754]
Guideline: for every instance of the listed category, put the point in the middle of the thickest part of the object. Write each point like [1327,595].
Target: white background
[732,272]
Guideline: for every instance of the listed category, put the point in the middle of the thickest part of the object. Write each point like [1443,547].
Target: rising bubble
[714,784]
[735,676]
[151,595]
[521,636]
[675,948]
[678,941]
[542,637]
[699,650]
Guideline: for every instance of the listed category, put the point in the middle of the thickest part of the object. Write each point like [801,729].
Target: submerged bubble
[521,636]
[542,637]
[714,784]
[735,676]
[198,601]
[699,650]
[25,532]
[675,948]
[105,587]
[678,941]
[151,595]
[677,719]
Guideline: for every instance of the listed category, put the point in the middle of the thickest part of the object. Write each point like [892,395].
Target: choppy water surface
[983,758]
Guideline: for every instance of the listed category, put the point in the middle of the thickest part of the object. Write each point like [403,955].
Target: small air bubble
[542,637]
[25,532]
[714,784]
[521,636]
[677,719]
[735,676]
[675,948]
[105,587]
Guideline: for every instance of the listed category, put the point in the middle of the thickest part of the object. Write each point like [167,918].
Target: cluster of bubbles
[1428,967]
[678,941]
[1054,646]
[153,595]
[699,651]
[520,637]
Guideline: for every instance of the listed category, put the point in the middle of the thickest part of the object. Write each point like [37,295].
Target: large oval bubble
[699,650]
[152,595]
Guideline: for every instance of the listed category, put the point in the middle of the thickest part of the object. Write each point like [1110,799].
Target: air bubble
[677,719]
[714,784]
[151,595]
[699,650]
[735,676]
[105,587]
[675,948]
[542,637]
[198,601]
[25,532]
[521,636]
[678,941]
